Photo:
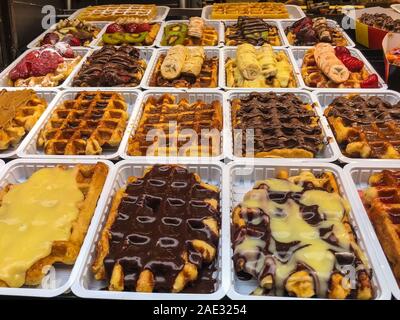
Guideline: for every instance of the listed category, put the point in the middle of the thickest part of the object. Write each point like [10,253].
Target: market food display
[265,10]
[138,34]
[172,118]
[381,21]
[293,235]
[86,125]
[26,247]
[251,30]
[259,68]
[283,126]
[365,127]
[112,12]
[185,67]
[393,56]
[172,229]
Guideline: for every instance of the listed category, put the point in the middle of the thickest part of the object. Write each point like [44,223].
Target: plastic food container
[230,52]
[60,281]
[145,53]
[205,95]
[324,98]
[329,152]
[299,52]
[358,175]
[28,148]
[241,178]
[86,286]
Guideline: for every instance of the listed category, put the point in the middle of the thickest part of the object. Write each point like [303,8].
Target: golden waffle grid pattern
[113,12]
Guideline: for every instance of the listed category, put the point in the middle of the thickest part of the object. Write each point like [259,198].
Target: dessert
[48,66]
[327,67]
[381,21]
[88,125]
[19,111]
[308,32]
[111,66]
[283,126]
[264,10]
[382,201]
[186,67]
[112,12]
[259,68]
[365,127]
[393,56]
[293,235]
[138,34]
[161,234]
[251,30]
[194,33]
[40,226]
[74,32]
[169,126]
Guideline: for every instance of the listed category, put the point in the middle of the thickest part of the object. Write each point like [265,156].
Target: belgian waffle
[367,128]
[173,119]
[293,235]
[139,12]
[315,78]
[251,30]
[209,37]
[382,201]
[283,126]
[85,125]
[265,10]
[208,77]
[170,220]
[90,180]
[19,112]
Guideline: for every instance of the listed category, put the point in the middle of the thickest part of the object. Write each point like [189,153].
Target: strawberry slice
[342,51]
[352,63]
[130,27]
[370,82]
[114,27]
[143,27]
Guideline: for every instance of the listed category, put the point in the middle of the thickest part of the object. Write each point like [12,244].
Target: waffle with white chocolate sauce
[293,234]
[112,12]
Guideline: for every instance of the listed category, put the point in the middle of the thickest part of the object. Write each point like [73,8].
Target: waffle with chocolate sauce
[293,234]
[382,201]
[180,126]
[112,66]
[283,126]
[381,21]
[251,30]
[365,127]
[162,234]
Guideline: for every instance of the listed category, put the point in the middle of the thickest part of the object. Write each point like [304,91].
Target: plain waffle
[112,12]
[85,125]
[265,10]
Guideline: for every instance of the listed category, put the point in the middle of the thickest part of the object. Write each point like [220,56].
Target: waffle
[251,30]
[315,78]
[367,128]
[293,235]
[209,37]
[89,183]
[265,10]
[172,119]
[137,12]
[283,126]
[93,121]
[19,112]
[170,219]
[382,201]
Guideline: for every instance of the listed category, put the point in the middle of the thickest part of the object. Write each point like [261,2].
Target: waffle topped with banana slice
[161,234]
[293,234]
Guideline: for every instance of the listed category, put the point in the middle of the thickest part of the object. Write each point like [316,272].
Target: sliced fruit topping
[370,82]
[114,27]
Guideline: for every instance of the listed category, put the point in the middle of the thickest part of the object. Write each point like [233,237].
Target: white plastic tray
[49,95]
[358,175]
[241,178]
[299,52]
[28,148]
[396,7]
[18,171]
[82,51]
[324,99]
[216,24]
[230,52]
[331,23]
[210,52]
[329,152]
[295,12]
[86,286]
[276,23]
[205,95]
[35,43]
[145,53]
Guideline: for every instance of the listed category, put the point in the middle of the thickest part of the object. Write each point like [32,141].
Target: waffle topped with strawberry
[125,32]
